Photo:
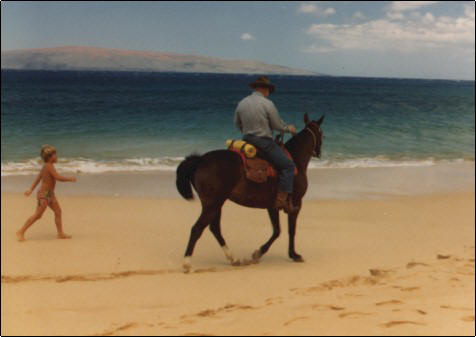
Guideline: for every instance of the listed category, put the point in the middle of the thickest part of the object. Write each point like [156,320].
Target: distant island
[104,59]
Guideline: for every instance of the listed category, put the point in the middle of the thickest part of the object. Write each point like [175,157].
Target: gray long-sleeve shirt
[257,115]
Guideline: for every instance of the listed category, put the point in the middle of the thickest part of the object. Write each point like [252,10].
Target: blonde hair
[47,151]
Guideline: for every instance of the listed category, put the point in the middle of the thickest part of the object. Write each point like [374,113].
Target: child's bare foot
[20,236]
[64,236]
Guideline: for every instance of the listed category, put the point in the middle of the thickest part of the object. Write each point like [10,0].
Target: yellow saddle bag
[240,145]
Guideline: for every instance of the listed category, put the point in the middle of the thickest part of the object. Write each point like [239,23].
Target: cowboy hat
[262,82]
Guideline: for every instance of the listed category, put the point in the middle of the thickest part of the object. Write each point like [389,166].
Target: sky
[403,39]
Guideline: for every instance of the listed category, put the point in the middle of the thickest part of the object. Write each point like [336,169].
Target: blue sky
[432,39]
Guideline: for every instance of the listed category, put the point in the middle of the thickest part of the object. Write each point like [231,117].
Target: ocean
[135,121]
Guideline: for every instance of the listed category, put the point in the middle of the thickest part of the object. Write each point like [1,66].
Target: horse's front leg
[292,218]
[274,217]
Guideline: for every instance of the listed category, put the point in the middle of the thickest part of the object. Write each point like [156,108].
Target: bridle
[314,138]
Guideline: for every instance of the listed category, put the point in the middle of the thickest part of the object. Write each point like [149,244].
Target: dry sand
[396,266]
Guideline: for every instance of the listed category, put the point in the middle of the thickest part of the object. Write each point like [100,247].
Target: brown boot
[284,202]
[281,200]
[290,206]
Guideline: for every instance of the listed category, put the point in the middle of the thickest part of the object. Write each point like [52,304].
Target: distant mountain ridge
[104,59]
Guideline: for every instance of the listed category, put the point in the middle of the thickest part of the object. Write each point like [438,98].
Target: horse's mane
[294,141]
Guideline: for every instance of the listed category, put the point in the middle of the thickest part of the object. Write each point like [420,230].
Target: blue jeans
[275,155]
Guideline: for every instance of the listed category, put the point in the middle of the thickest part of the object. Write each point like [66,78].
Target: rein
[314,138]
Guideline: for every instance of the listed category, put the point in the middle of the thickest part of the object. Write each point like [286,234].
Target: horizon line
[244,74]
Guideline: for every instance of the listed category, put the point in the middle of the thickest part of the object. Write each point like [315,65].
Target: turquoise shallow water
[109,121]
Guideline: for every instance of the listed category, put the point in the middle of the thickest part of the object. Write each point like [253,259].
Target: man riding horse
[220,175]
[256,117]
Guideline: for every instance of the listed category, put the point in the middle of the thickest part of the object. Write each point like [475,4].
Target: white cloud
[413,33]
[315,10]
[307,8]
[401,6]
[247,37]
[469,11]
[395,15]
[359,15]
[397,8]
[428,18]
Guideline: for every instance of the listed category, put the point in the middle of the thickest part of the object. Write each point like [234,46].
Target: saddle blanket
[258,169]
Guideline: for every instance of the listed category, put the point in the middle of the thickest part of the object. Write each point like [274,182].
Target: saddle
[257,169]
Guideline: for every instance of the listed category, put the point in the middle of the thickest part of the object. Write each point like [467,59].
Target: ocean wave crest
[380,161]
[84,165]
[90,166]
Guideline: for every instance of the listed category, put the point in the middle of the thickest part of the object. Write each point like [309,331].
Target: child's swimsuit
[47,195]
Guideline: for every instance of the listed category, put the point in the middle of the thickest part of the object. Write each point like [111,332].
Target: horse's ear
[319,122]
[306,119]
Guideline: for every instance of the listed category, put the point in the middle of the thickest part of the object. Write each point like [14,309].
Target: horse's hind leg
[206,217]
[274,216]
[216,230]
[292,218]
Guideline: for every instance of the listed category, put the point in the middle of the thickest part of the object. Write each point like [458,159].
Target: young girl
[46,193]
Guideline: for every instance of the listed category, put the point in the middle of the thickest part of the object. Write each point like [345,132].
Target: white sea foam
[378,162]
[89,166]
[83,165]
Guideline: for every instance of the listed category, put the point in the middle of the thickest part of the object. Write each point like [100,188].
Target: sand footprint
[226,308]
[380,272]
[455,308]
[207,313]
[274,300]
[414,264]
[334,307]
[352,295]
[394,323]
[353,314]
[296,319]
[121,328]
[410,289]
[328,306]
[388,302]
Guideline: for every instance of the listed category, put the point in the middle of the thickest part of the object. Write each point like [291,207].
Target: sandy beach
[402,264]
[107,110]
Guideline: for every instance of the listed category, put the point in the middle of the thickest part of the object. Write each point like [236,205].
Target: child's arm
[37,180]
[56,175]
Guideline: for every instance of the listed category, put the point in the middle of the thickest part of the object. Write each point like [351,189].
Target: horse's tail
[185,173]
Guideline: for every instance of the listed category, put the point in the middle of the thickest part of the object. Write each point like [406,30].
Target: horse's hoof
[246,262]
[297,258]
[256,256]
[187,265]
[236,263]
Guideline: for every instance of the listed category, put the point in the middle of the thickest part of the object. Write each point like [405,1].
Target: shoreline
[170,164]
[324,183]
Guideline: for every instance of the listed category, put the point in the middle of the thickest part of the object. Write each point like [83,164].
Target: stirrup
[290,208]
[281,203]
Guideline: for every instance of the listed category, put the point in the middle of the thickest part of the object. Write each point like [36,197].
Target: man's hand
[28,192]
[292,129]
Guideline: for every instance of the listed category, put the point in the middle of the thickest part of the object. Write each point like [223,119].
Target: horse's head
[314,127]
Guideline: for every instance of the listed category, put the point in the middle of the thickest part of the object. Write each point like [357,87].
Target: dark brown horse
[219,175]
